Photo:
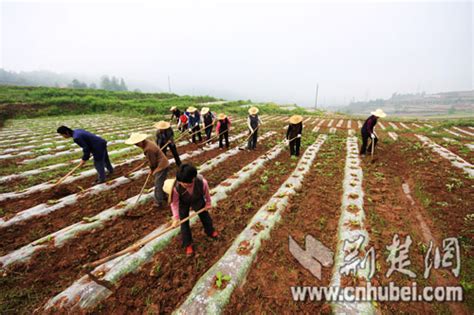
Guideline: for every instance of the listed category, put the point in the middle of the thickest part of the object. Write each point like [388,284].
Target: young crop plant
[221,279]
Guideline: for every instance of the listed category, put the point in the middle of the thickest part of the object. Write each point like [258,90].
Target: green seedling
[248,205]
[44,240]
[88,219]
[52,202]
[221,278]
[271,208]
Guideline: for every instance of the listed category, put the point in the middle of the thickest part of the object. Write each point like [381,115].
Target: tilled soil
[52,270]
[174,274]
[313,211]
[389,212]
[21,234]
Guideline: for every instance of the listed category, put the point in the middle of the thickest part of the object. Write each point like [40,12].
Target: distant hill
[420,104]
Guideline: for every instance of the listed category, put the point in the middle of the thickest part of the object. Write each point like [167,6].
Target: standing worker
[165,139]
[194,122]
[175,114]
[293,134]
[223,129]
[90,144]
[253,122]
[158,162]
[189,191]
[208,119]
[367,130]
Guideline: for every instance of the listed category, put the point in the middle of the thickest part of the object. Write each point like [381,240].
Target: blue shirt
[89,142]
[193,121]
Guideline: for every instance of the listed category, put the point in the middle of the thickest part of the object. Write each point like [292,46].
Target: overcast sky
[260,50]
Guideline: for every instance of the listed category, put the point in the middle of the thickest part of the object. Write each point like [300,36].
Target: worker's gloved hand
[287,141]
[174,222]
[372,136]
[299,136]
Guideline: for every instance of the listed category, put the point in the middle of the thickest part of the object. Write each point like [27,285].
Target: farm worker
[222,129]
[194,122]
[189,191]
[164,139]
[90,144]
[183,122]
[293,134]
[253,122]
[175,114]
[208,119]
[367,129]
[158,162]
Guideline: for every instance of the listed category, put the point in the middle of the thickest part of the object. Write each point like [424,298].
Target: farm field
[270,209]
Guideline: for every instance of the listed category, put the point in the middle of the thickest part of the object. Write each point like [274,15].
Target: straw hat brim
[253,110]
[168,187]
[379,113]
[136,138]
[222,116]
[204,110]
[191,109]
[162,125]
[172,108]
[295,119]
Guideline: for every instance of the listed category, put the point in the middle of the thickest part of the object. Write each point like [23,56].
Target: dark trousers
[174,151]
[183,127]
[160,178]
[365,140]
[186,235]
[208,131]
[101,162]
[224,136]
[295,147]
[198,134]
[252,144]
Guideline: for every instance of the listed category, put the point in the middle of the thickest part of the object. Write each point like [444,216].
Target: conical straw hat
[221,116]
[379,113]
[295,119]
[135,138]
[162,125]
[168,187]
[253,110]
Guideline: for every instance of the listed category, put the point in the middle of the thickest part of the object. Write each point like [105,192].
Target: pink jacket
[175,198]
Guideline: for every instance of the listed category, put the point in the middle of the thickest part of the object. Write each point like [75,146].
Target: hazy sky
[262,50]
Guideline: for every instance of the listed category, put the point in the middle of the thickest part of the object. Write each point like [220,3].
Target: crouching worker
[90,144]
[158,162]
[222,129]
[367,130]
[293,134]
[189,191]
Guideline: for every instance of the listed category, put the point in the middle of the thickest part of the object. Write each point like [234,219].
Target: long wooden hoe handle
[67,175]
[143,188]
[141,243]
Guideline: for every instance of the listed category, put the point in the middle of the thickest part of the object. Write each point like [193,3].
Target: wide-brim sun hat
[379,113]
[162,125]
[253,110]
[168,187]
[172,108]
[221,116]
[135,138]
[295,119]
[204,110]
[191,109]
